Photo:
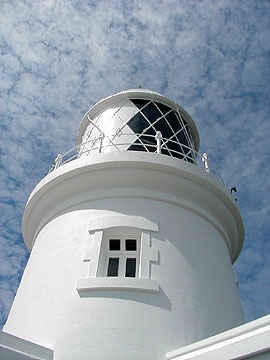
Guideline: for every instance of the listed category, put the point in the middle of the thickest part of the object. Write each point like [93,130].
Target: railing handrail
[159,143]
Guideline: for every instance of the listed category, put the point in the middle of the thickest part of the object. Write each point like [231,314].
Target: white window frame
[96,253]
[123,254]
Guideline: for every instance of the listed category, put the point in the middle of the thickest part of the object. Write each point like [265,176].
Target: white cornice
[129,174]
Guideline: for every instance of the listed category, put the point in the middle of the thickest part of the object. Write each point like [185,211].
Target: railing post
[158,137]
[205,159]
[58,161]
[100,142]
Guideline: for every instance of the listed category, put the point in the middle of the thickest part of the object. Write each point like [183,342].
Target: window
[153,116]
[119,254]
[122,257]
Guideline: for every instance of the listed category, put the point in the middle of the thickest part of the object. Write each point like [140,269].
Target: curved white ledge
[129,174]
[116,283]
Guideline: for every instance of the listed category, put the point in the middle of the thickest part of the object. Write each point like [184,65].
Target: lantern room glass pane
[152,117]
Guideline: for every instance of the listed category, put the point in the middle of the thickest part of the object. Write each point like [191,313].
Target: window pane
[131,245]
[130,267]
[113,267]
[114,244]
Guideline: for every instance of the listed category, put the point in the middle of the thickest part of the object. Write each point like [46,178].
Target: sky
[59,57]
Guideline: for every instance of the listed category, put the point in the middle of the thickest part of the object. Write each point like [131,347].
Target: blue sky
[59,57]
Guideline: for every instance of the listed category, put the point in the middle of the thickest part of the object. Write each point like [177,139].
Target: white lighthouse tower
[132,239]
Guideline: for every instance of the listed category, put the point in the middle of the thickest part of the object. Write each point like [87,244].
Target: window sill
[117,283]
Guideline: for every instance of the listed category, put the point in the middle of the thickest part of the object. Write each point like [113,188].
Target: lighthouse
[132,238]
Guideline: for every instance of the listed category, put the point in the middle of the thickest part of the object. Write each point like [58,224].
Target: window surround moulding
[97,228]
[110,221]
[117,283]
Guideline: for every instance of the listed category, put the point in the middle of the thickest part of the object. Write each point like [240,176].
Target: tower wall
[190,232]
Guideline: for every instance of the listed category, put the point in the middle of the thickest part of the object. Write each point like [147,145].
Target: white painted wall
[199,231]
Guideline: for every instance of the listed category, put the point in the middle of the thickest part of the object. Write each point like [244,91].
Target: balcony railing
[147,143]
